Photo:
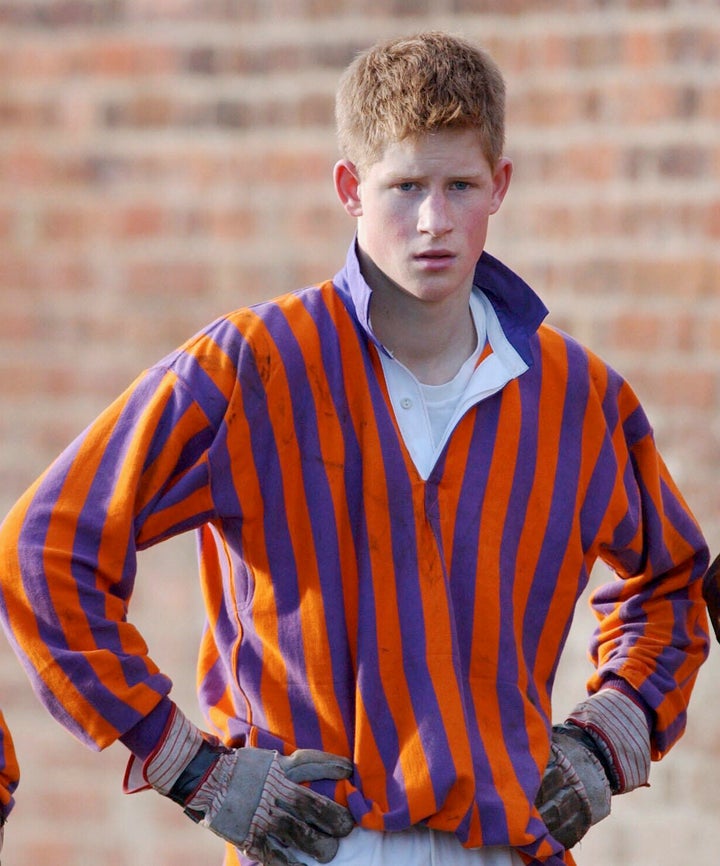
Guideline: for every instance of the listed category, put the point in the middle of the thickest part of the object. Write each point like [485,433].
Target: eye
[406,186]
[460,185]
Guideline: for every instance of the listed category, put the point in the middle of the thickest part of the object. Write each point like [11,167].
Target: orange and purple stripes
[415,626]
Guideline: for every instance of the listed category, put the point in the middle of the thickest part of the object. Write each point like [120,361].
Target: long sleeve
[136,476]
[652,628]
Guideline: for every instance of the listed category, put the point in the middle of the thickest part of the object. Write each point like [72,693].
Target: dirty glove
[250,797]
[602,749]
[575,790]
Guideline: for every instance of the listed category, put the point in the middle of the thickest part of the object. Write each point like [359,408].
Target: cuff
[143,738]
[620,728]
[179,743]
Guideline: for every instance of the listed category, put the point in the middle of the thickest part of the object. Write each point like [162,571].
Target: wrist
[586,738]
[143,738]
[185,788]
[620,730]
[179,743]
[177,746]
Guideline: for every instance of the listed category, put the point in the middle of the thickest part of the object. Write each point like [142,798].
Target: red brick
[641,48]
[156,171]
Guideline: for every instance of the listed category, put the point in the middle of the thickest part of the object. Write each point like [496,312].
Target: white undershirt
[441,400]
[427,414]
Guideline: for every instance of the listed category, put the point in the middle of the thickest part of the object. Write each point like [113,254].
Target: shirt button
[406,403]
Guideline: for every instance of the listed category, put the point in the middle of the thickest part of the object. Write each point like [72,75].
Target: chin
[434,294]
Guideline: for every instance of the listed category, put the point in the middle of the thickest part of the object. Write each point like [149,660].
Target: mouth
[435,254]
[435,258]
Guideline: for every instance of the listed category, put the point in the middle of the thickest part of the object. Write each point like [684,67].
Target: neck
[432,339]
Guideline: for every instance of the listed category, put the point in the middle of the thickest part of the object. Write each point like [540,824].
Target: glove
[250,797]
[575,791]
[602,749]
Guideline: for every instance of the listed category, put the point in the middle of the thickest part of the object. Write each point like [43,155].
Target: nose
[434,216]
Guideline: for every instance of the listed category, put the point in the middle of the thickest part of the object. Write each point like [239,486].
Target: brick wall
[163,161]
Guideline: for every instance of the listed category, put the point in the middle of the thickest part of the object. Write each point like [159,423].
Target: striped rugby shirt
[414,625]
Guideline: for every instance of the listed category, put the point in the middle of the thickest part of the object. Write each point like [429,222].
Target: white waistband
[417,846]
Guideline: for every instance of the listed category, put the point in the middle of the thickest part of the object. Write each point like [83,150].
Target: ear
[347,186]
[501,182]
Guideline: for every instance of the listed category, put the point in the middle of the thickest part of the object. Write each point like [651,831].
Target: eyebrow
[420,175]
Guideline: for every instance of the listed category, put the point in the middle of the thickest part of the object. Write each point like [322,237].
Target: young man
[400,481]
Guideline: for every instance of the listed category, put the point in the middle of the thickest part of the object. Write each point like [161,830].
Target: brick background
[163,161]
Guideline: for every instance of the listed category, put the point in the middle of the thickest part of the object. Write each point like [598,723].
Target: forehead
[449,151]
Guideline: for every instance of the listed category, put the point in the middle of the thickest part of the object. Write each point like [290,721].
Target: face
[422,212]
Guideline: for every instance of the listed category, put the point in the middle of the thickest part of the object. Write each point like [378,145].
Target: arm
[650,640]
[69,546]
[652,633]
[138,475]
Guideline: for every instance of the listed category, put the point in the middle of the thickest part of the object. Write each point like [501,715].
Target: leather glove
[602,749]
[575,790]
[252,798]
